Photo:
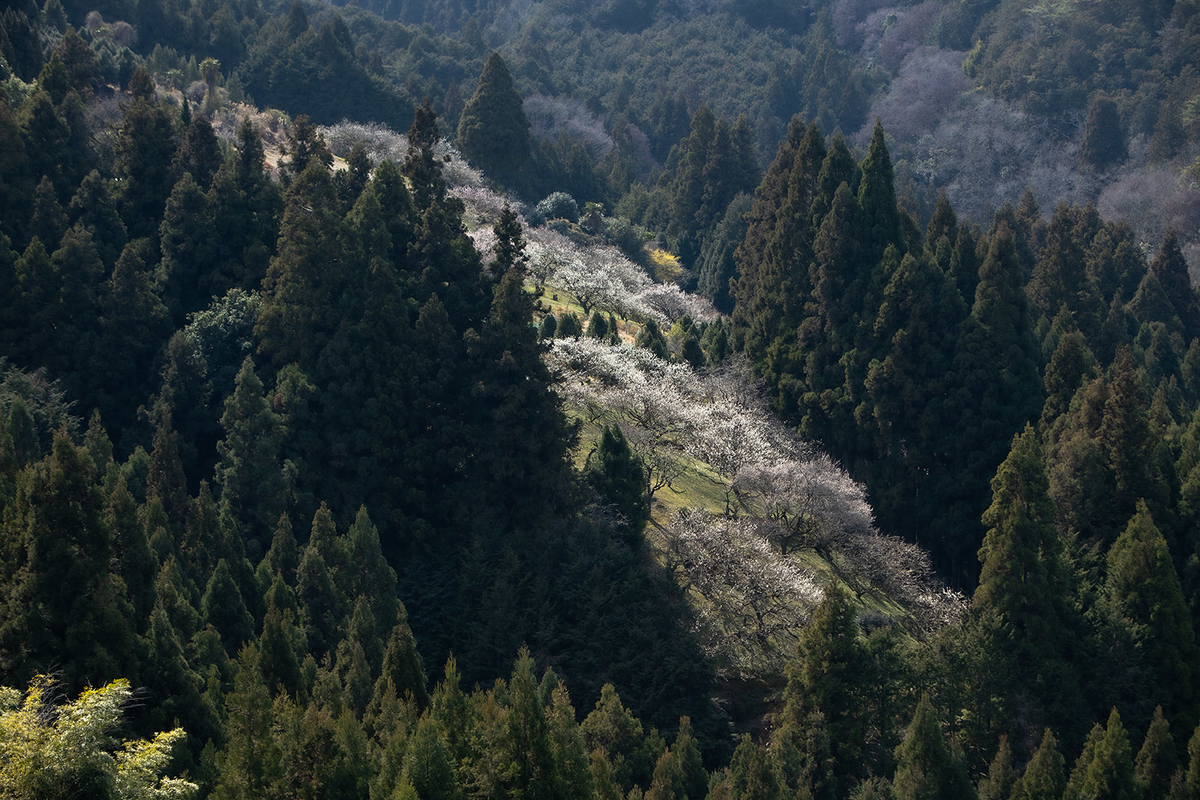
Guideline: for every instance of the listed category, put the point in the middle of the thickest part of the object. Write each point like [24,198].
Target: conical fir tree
[927,768]
[1145,590]
[1157,760]
[1020,612]
[617,475]
[493,131]
[1045,775]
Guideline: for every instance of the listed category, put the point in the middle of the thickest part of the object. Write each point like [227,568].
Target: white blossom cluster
[715,417]
[744,569]
[754,601]
[601,277]
[382,144]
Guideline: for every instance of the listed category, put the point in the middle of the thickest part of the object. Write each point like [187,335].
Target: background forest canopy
[281,443]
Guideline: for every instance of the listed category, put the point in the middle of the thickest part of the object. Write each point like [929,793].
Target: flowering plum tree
[745,568]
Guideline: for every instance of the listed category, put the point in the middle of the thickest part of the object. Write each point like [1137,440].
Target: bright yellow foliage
[667,268]
[49,751]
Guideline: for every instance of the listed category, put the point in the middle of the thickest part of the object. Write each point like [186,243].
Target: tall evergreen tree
[1145,591]
[1171,270]
[253,478]
[926,765]
[145,150]
[877,199]
[493,130]
[824,694]
[1021,610]
[617,475]
[223,607]
[1109,771]
[1045,774]
[1157,761]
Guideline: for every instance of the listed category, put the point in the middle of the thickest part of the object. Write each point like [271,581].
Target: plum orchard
[749,570]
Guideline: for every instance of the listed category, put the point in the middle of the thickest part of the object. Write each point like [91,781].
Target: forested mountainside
[635,465]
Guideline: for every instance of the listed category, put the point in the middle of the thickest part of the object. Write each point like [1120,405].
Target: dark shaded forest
[279,448]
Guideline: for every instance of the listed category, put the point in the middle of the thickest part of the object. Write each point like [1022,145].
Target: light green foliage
[927,765]
[1045,775]
[49,752]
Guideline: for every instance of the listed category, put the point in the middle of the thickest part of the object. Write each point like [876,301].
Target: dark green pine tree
[964,264]
[1071,365]
[145,154]
[716,268]
[49,221]
[322,603]
[428,767]
[927,767]
[81,273]
[134,326]
[1150,305]
[916,337]
[1171,269]
[822,733]
[131,548]
[1129,443]
[1105,770]
[758,287]
[1020,611]
[1103,139]
[838,166]
[299,309]
[1145,591]
[79,61]
[687,190]
[1191,777]
[48,144]
[880,218]
[752,774]
[520,429]
[222,607]
[174,691]
[37,307]
[829,334]
[1157,761]
[369,574]
[249,764]
[617,475]
[727,172]
[189,247]
[95,207]
[62,605]
[245,206]
[527,734]
[251,473]
[679,773]
[613,728]
[1060,277]
[572,765]
[278,661]
[998,785]
[493,131]
[943,222]
[1045,776]
[997,380]
[200,152]
[165,482]
[17,178]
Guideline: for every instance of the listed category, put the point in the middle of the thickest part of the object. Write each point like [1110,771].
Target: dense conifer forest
[638,399]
